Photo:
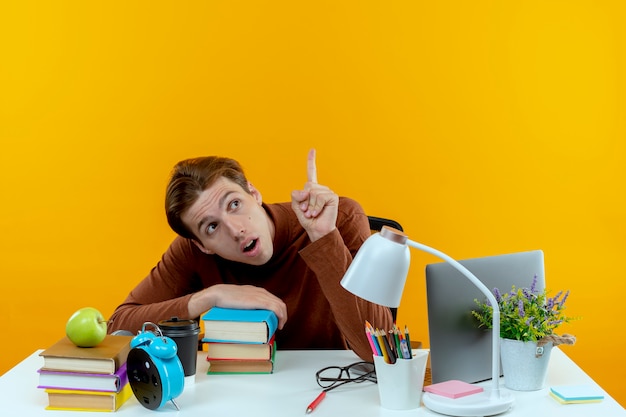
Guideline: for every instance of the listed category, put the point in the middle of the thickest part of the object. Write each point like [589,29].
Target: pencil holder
[400,384]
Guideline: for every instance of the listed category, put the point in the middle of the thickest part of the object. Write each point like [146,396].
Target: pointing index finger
[311,169]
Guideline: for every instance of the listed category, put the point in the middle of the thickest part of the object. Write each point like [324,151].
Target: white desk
[289,390]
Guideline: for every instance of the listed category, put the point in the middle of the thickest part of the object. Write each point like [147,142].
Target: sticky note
[453,389]
[577,393]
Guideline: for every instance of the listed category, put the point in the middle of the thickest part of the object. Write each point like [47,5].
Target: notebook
[459,350]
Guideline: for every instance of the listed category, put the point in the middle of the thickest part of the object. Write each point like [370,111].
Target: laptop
[458,348]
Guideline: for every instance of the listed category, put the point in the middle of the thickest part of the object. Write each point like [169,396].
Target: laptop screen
[458,348]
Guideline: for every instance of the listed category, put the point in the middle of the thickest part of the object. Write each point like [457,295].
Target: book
[242,366]
[572,394]
[105,358]
[228,350]
[83,381]
[453,389]
[237,325]
[75,400]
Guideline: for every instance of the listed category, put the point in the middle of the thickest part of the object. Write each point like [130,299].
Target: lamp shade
[379,269]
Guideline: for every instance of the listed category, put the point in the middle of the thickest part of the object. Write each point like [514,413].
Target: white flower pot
[524,364]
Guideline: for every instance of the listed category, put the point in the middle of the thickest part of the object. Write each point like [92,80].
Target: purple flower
[544,313]
[533,286]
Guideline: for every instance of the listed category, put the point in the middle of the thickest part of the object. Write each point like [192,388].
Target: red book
[243,366]
[226,350]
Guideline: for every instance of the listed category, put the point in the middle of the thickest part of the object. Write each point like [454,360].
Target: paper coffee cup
[185,334]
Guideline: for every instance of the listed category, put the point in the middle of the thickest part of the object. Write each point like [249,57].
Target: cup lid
[177,324]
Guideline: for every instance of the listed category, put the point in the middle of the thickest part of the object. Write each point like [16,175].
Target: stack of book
[240,341]
[86,379]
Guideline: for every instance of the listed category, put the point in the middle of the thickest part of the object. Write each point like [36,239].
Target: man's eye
[234,204]
[211,228]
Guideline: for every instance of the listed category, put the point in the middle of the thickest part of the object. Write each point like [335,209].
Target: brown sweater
[305,275]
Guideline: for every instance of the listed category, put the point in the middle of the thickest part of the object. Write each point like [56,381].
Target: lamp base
[475,405]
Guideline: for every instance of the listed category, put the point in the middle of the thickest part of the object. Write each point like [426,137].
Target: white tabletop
[289,390]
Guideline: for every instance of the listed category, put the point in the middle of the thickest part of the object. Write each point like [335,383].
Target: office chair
[376,224]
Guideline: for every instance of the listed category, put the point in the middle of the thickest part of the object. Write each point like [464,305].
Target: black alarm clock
[154,370]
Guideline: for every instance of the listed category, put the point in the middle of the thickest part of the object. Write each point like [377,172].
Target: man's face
[231,223]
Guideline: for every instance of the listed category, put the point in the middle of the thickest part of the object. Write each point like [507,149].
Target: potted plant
[528,323]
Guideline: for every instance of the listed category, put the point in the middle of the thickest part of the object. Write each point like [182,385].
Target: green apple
[87,327]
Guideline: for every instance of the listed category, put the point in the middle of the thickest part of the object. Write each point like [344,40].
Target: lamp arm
[495,357]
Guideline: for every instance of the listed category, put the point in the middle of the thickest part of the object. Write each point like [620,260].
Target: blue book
[239,326]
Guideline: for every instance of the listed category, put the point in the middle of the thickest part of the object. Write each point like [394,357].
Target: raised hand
[315,205]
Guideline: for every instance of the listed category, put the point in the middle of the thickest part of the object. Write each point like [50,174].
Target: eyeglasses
[332,377]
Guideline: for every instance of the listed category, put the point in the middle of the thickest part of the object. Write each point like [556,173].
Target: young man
[235,251]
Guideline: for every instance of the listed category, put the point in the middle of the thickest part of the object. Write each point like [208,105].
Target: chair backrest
[376,224]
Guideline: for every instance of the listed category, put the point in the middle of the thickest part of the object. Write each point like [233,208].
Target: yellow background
[483,127]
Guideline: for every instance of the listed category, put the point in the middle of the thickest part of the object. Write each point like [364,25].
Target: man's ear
[255,193]
[201,247]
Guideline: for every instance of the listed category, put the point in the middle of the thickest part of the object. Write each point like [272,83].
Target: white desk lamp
[378,273]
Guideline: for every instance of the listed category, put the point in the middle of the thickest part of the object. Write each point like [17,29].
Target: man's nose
[235,228]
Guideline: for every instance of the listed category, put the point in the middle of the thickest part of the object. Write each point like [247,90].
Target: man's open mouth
[250,246]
